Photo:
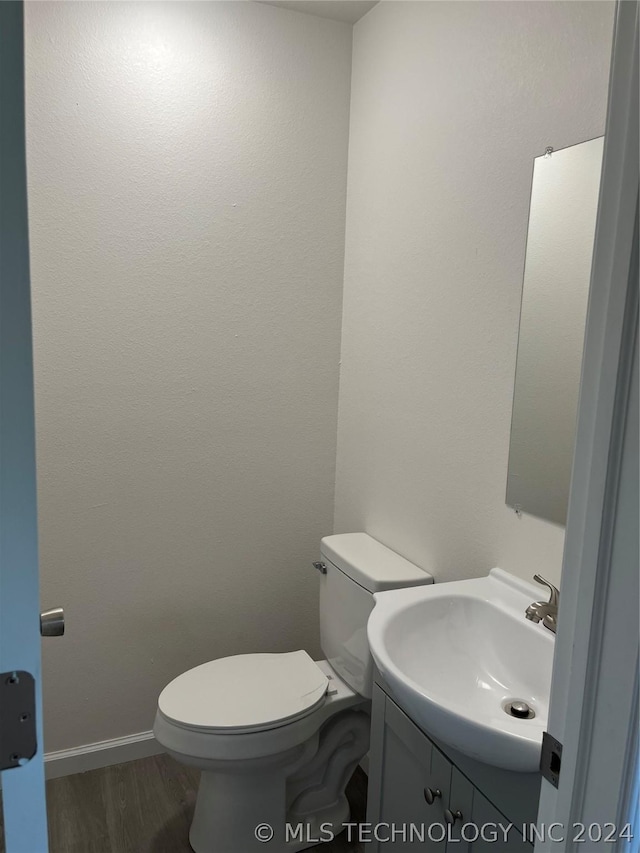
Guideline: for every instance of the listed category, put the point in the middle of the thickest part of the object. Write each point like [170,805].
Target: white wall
[450,104]
[187,176]
[187,173]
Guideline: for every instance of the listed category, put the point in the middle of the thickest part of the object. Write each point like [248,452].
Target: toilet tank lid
[370,563]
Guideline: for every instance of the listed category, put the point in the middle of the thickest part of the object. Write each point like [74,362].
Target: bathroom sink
[457,654]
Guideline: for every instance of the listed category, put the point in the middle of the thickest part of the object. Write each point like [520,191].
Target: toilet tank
[356,567]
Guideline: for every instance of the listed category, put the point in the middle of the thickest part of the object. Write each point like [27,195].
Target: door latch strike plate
[551,758]
[18,743]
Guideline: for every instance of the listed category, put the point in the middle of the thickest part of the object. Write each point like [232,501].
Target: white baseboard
[104,753]
[64,762]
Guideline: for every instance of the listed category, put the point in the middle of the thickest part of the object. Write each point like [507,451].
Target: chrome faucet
[545,611]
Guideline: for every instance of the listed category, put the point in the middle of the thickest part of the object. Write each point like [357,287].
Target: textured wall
[187,176]
[450,104]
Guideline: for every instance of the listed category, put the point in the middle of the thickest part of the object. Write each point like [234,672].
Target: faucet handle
[553,598]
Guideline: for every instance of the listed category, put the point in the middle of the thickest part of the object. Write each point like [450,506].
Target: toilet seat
[245,693]
[204,747]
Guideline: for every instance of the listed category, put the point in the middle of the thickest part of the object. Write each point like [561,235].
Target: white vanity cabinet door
[460,807]
[406,768]
[492,825]
[479,826]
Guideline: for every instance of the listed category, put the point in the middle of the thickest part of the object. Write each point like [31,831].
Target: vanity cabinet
[420,799]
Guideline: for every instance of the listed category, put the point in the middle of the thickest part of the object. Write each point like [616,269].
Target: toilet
[277,736]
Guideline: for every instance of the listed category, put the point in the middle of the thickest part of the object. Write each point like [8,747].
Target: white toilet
[277,736]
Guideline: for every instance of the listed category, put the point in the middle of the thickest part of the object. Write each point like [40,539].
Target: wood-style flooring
[145,806]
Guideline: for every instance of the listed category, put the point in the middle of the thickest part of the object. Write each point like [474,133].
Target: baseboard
[104,753]
[91,756]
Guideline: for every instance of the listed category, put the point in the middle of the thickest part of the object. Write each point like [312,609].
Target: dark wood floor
[144,806]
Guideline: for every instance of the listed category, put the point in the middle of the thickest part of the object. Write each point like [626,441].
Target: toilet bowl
[277,736]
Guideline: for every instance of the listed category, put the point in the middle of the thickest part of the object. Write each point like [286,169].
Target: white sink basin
[456,653]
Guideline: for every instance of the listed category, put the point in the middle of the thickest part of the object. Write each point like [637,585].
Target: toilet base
[285,803]
[222,827]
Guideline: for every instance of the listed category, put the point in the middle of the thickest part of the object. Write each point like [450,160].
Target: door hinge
[551,758]
[18,743]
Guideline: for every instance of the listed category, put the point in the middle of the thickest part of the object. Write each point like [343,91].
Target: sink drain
[519,709]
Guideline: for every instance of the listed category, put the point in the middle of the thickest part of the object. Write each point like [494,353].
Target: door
[489,831]
[594,696]
[25,822]
[414,788]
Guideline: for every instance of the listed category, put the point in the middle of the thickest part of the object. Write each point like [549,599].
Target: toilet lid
[245,692]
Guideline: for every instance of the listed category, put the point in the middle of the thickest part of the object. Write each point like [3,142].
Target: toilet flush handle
[320,567]
[52,622]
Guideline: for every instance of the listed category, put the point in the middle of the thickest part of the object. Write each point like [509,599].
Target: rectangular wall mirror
[562,218]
